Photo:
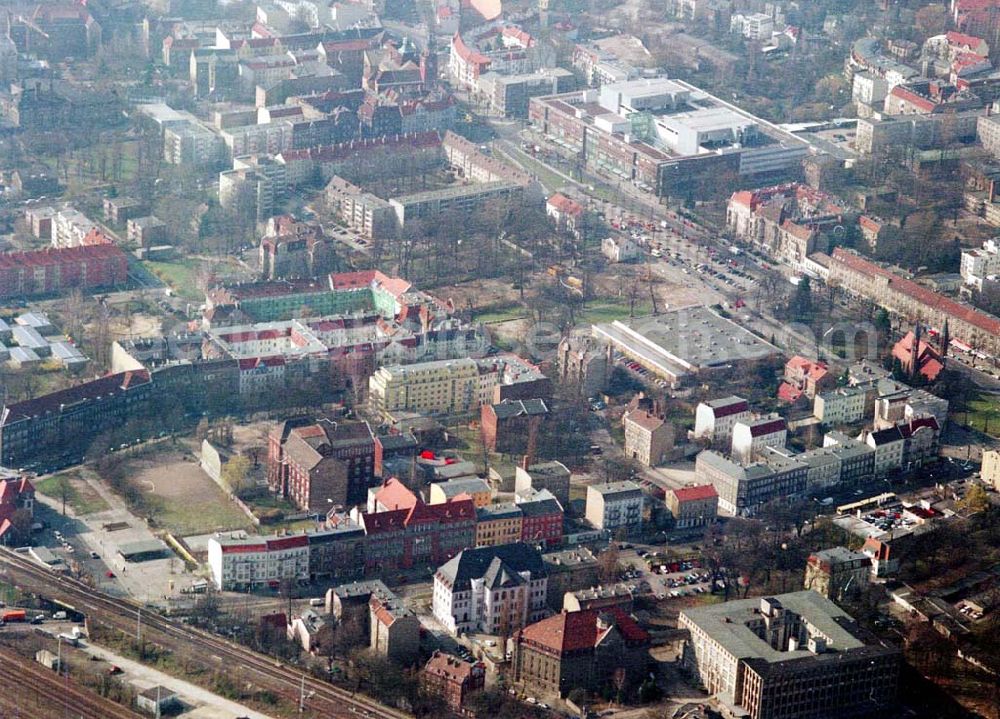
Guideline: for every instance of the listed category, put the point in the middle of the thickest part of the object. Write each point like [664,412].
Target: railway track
[213,652]
[46,695]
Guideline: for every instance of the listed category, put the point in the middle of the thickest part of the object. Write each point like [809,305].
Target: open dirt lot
[188,501]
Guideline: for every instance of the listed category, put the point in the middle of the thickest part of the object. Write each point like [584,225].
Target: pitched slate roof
[498,562]
[520,408]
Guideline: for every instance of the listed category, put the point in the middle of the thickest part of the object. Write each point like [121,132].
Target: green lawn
[983,414]
[495,315]
[552,181]
[182,518]
[80,495]
[181,275]
[610,309]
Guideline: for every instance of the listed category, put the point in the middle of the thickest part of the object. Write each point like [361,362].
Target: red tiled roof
[818,371]
[96,237]
[383,522]
[467,54]
[244,548]
[799,362]
[743,197]
[870,224]
[10,494]
[564,204]
[519,35]
[54,256]
[298,540]
[796,230]
[913,98]
[788,393]
[448,667]
[911,289]
[455,510]
[960,38]
[395,495]
[690,494]
[381,612]
[927,357]
[577,631]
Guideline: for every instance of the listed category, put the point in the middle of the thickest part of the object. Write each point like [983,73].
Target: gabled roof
[54,256]
[449,667]
[911,289]
[470,564]
[883,437]
[565,205]
[395,495]
[520,408]
[789,393]
[64,399]
[499,576]
[570,632]
[466,53]
[649,422]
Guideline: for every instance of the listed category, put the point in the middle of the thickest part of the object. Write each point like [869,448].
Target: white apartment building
[845,405]
[192,144]
[495,590]
[889,445]
[979,264]
[714,420]
[988,134]
[869,89]
[70,227]
[242,562]
[271,138]
[614,506]
[750,437]
[755,26]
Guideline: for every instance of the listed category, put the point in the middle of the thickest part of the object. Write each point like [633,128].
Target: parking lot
[667,580]
[92,544]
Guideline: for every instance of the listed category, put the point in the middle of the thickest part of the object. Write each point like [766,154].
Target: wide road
[199,648]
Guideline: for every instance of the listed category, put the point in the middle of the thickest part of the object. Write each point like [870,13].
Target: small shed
[47,659]
[157,700]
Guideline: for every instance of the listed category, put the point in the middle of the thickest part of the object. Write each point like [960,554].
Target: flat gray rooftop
[686,340]
[727,624]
